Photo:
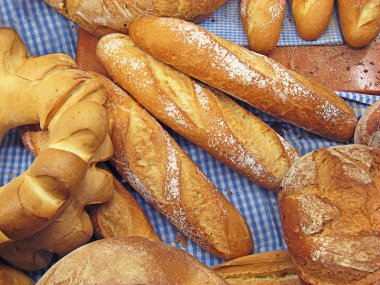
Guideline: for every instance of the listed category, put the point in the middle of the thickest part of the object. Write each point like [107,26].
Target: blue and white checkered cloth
[45,31]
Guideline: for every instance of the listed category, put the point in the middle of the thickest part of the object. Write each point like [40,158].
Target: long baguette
[212,121]
[156,167]
[248,76]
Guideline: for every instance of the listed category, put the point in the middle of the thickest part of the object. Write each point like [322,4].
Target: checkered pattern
[44,31]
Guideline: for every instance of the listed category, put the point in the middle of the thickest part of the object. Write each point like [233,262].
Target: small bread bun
[11,276]
[368,128]
[132,260]
[329,205]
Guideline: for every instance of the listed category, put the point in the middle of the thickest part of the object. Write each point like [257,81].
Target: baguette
[312,17]
[248,76]
[212,121]
[262,21]
[156,167]
[368,129]
[360,21]
[120,216]
[129,261]
[101,17]
[267,268]
[11,276]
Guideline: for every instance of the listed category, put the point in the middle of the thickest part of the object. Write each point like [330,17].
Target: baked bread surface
[368,129]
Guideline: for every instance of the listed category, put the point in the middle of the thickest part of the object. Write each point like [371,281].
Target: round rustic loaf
[330,209]
[367,131]
[132,260]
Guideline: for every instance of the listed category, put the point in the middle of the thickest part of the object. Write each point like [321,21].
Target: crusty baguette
[360,21]
[213,121]
[329,206]
[312,17]
[129,261]
[368,129]
[101,17]
[11,276]
[121,216]
[156,167]
[262,21]
[248,76]
[267,268]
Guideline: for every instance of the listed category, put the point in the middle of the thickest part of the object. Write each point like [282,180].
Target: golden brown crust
[128,261]
[368,129]
[101,17]
[267,268]
[329,205]
[262,21]
[11,276]
[156,167]
[211,120]
[250,77]
[312,17]
[360,20]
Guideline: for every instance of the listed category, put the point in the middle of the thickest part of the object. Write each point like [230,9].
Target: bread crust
[101,17]
[11,276]
[262,21]
[248,76]
[329,205]
[368,129]
[312,17]
[128,261]
[360,20]
[211,120]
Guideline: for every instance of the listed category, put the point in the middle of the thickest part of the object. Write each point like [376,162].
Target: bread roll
[312,17]
[267,268]
[212,121]
[329,205]
[101,17]
[360,21]
[129,261]
[368,129]
[156,167]
[262,21]
[248,76]
[11,276]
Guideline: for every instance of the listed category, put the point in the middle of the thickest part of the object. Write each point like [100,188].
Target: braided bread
[42,211]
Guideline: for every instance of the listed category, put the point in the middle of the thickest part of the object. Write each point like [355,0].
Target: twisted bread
[101,17]
[213,121]
[251,77]
[42,211]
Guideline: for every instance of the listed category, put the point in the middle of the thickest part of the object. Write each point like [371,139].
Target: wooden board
[337,67]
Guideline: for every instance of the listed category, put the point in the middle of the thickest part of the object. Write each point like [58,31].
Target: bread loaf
[11,276]
[101,17]
[212,121]
[360,21]
[267,268]
[312,17]
[43,210]
[129,261]
[156,167]
[248,76]
[262,21]
[121,216]
[368,129]
[329,205]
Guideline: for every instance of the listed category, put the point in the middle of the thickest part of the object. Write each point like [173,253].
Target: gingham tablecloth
[45,31]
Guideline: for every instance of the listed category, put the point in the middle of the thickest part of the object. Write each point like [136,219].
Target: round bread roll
[330,209]
[368,128]
[132,260]
[11,276]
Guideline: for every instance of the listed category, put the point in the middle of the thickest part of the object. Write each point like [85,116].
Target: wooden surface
[337,67]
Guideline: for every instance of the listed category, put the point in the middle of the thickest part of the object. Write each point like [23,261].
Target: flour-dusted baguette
[156,167]
[267,268]
[262,21]
[368,129]
[312,17]
[360,21]
[213,121]
[101,17]
[251,77]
